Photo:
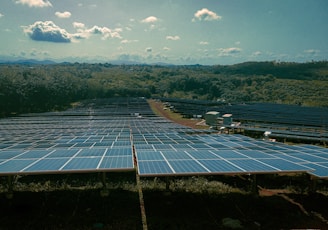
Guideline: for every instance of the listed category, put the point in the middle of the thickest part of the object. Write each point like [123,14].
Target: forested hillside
[35,88]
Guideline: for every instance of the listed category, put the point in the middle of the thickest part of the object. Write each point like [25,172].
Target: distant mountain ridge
[49,62]
[28,62]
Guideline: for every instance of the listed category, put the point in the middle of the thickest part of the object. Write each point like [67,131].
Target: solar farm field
[113,164]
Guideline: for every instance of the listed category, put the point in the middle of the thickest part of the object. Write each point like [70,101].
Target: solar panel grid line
[235,165]
[194,159]
[301,158]
[253,166]
[11,154]
[167,162]
[39,159]
[70,159]
[319,170]
[102,158]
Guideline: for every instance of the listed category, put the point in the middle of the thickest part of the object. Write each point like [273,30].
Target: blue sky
[171,31]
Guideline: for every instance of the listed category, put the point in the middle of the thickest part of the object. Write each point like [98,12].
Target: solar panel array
[182,154]
[71,141]
[101,136]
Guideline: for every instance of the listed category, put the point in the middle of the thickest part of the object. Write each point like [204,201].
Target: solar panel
[154,168]
[201,154]
[119,162]
[253,166]
[175,155]
[14,166]
[221,166]
[149,156]
[82,163]
[284,165]
[34,154]
[47,165]
[319,170]
[73,141]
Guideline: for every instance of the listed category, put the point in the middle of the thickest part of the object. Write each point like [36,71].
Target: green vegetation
[36,88]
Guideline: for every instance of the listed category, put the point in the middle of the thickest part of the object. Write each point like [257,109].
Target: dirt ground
[158,109]
[86,209]
[78,207]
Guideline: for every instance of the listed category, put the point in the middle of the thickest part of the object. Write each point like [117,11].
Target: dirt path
[158,108]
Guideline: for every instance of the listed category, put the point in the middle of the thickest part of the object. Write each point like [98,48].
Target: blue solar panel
[149,156]
[47,165]
[63,153]
[34,154]
[319,170]
[175,155]
[162,147]
[202,154]
[251,165]
[254,154]
[220,166]
[14,165]
[322,155]
[119,162]
[307,157]
[86,144]
[8,154]
[119,151]
[82,163]
[187,166]
[91,152]
[229,154]
[181,146]
[291,158]
[284,165]
[154,168]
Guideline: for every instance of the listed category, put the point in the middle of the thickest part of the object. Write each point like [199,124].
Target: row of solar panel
[65,160]
[163,148]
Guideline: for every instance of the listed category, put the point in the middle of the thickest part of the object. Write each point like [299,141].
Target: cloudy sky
[170,31]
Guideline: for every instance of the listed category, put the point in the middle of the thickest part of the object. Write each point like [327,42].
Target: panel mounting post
[104,191]
[254,188]
[10,192]
[313,184]
[167,183]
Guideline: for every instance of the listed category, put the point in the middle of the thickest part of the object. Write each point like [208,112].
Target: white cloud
[125,41]
[149,49]
[106,32]
[312,51]
[203,43]
[34,3]
[1,15]
[47,31]
[173,38]
[78,25]
[257,53]
[206,15]
[150,19]
[229,51]
[83,32]
[65,14]
[166,48]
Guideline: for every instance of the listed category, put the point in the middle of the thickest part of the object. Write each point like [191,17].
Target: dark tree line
[36,88]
